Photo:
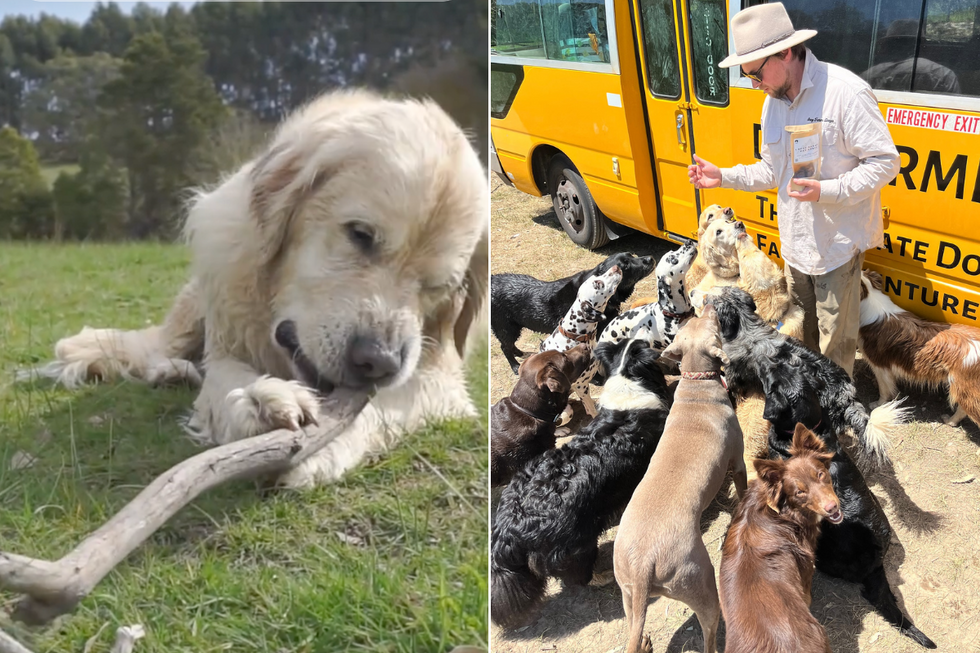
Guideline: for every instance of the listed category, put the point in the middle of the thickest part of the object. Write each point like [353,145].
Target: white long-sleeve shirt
[858,159]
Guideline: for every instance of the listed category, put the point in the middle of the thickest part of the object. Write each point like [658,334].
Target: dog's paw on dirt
[269,403]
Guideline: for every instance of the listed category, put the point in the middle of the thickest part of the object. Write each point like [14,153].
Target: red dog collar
[705,376]
[582,338]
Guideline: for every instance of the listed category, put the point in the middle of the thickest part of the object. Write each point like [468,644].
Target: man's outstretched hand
[704,174]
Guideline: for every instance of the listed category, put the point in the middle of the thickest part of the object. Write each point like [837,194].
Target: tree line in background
[139,107]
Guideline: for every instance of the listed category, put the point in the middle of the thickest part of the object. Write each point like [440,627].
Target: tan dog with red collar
[659,550]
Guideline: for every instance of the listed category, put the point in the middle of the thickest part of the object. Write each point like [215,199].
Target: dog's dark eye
[362,235]
[718,232]
[800,493]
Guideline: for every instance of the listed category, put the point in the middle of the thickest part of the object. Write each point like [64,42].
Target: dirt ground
[931,495]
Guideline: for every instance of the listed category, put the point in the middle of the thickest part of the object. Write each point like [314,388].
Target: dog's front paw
[270,403]
[646,644]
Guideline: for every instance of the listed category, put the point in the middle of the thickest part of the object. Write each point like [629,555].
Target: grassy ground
[390,559]
[931,495]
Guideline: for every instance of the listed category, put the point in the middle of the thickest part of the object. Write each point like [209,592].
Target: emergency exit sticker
[949,122]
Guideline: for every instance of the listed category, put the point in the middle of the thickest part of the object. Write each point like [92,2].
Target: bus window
[504,82]
[573,31]
[517,30]
[708,31]
[951,43]
[890,46]
[660,47]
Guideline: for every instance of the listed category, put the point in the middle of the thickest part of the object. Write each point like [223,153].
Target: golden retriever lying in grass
[352,252]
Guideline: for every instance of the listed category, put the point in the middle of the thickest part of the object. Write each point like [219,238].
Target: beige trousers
[831,306]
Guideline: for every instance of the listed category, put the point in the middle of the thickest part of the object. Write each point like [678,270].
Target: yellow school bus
[602,103]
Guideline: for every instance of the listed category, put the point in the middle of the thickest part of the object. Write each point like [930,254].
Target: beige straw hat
[760,31]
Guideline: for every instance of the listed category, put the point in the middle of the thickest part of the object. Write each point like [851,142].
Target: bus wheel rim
[571,208]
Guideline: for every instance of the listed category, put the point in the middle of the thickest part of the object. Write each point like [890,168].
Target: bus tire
[576,210]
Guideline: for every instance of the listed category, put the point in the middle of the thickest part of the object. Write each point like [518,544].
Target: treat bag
[805,151]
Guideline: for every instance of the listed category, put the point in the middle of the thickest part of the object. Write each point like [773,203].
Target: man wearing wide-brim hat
[826,227]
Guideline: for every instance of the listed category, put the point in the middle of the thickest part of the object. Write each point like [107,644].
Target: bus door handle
[680,130]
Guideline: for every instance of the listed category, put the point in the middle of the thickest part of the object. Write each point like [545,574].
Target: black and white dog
[802,386]
[519,301]
[579,326]
[551,515]
[659,322]
[762,359]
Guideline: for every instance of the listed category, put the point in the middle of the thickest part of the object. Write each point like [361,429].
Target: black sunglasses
[755,76]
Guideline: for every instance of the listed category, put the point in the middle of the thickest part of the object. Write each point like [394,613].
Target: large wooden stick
[55,588]
[10,645]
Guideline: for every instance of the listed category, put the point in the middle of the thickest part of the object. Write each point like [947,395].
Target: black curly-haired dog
[519,301]
[760,354]
[551,515]
[802,386]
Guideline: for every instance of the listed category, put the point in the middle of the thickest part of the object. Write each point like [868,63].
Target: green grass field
[390,559]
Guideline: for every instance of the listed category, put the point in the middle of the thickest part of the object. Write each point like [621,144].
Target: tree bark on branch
[55,588]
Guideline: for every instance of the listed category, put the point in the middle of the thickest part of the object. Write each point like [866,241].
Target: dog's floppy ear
[729,320]
[589,312]
[674,351]
[604,353]
[477,281]
[579,356]
[552,379]
[771,474]
[278,191]
[776,403]
[720,354]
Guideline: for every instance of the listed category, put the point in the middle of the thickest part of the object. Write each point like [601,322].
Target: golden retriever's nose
[729,213]
[371,362]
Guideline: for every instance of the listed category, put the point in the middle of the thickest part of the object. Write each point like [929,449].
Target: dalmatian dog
[659,322]
[579,325]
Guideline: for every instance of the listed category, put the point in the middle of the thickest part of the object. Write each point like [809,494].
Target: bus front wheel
[576,210]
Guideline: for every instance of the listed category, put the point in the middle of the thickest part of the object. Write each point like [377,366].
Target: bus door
[658,31]
[725,113]
[691,109]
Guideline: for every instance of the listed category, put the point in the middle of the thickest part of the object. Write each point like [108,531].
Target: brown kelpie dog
[769,553]
[523,424]
[658,549]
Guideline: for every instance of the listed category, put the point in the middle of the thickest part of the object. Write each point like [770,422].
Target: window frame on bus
[612,66]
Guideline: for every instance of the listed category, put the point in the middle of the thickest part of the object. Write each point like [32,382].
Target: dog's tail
[156,354]
[514,596]
[883,422]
